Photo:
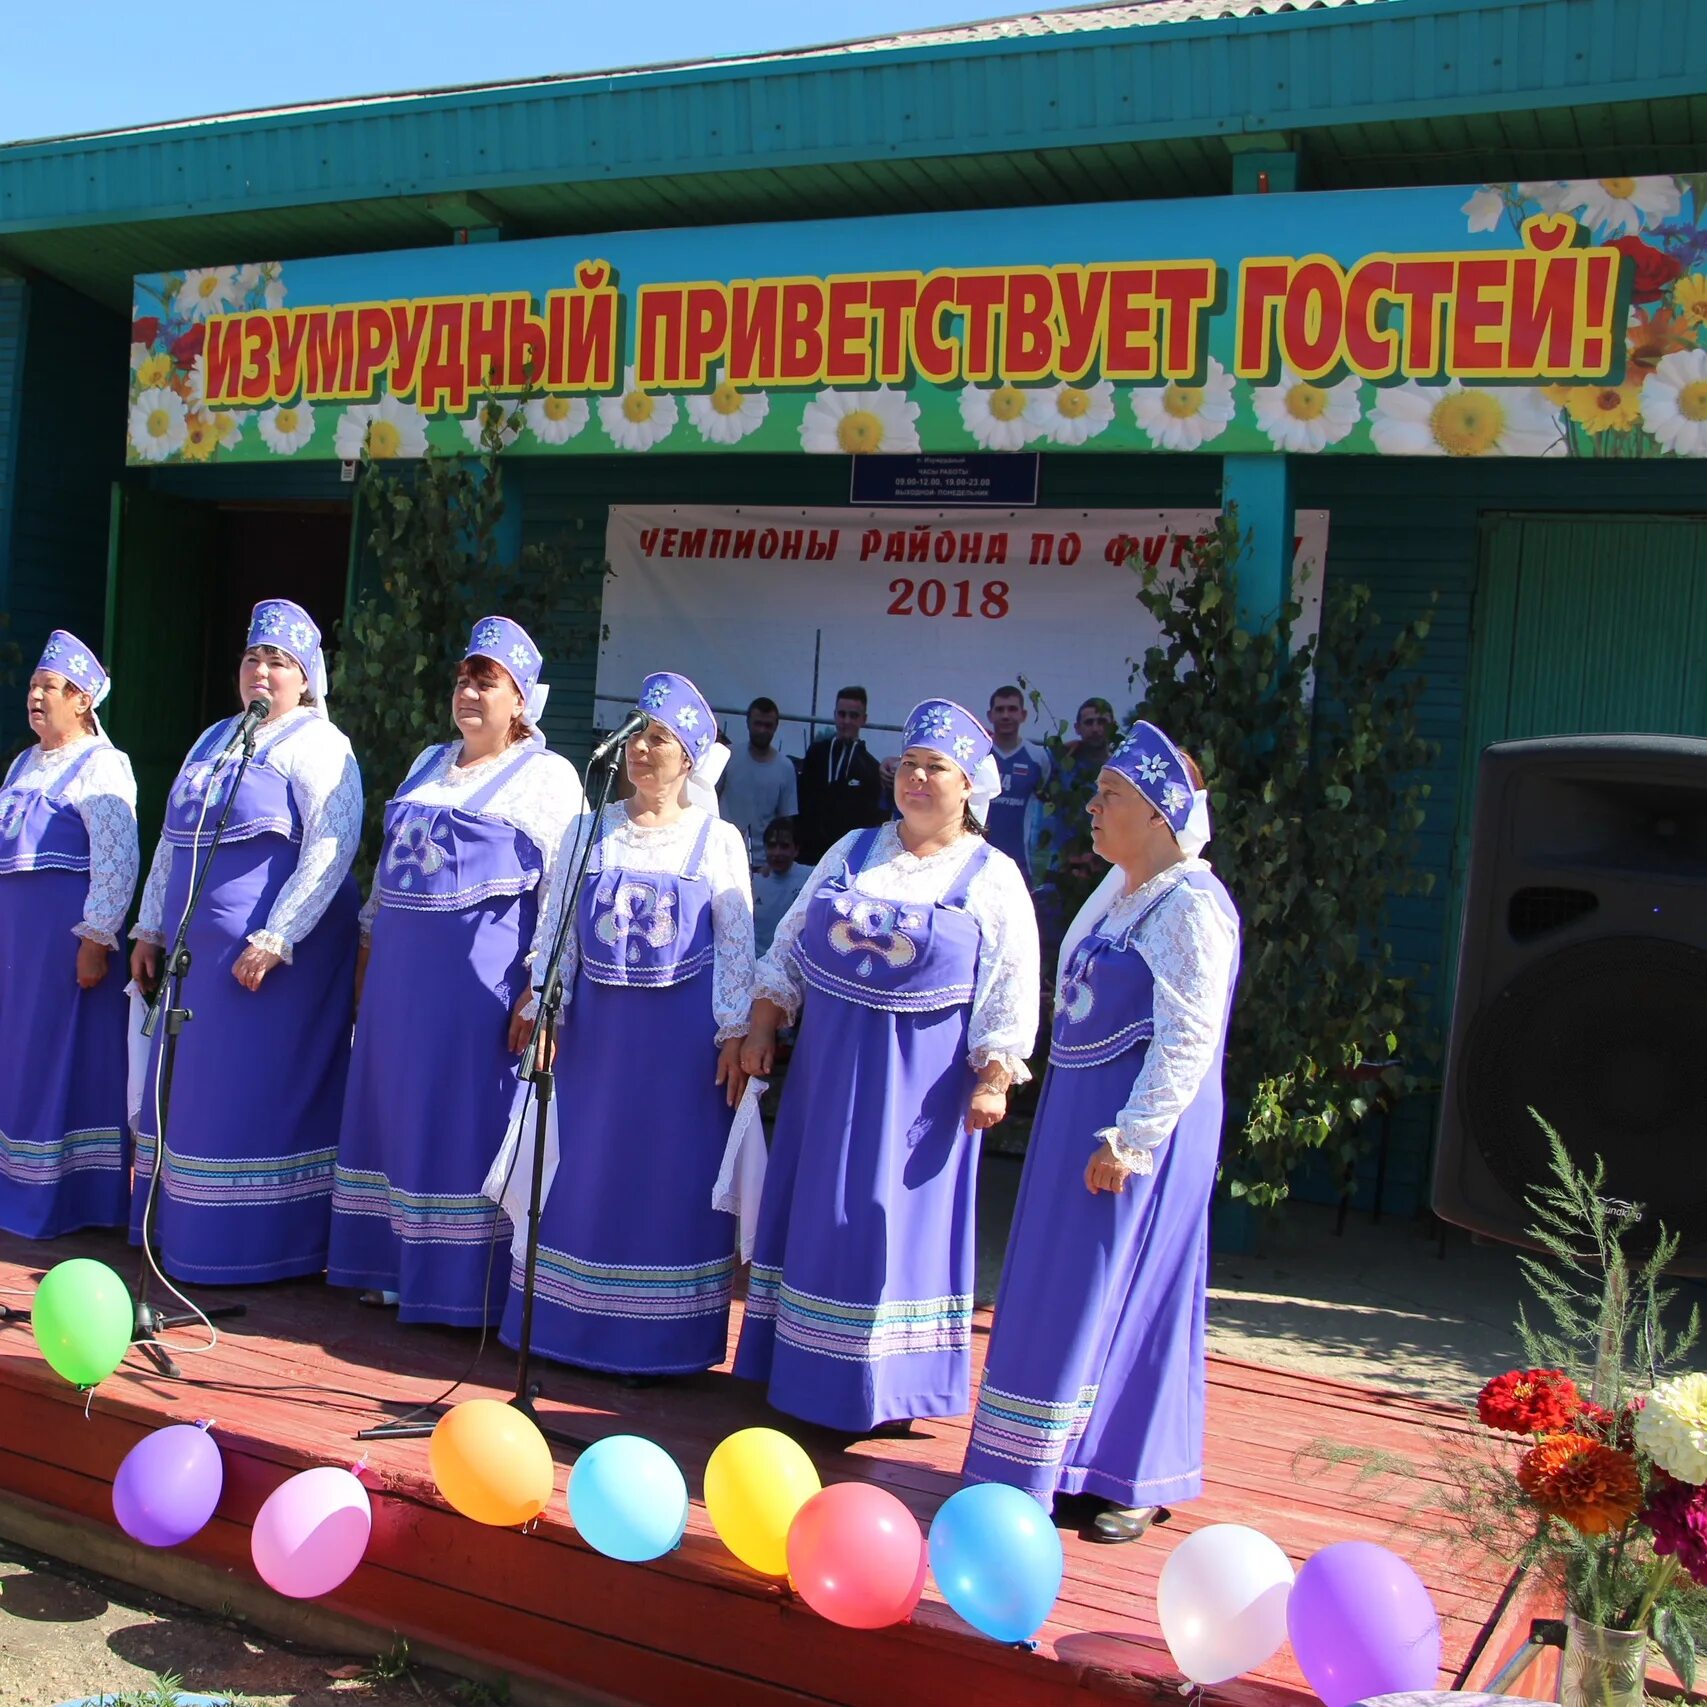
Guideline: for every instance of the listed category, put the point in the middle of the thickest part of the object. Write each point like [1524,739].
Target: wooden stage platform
[292,1381]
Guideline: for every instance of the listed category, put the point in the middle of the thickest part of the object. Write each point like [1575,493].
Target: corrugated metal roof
[1070,20]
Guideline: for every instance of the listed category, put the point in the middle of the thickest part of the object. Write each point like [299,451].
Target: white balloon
[1221,1601]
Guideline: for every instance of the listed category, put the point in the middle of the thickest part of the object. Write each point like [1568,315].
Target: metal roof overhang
[1413,91]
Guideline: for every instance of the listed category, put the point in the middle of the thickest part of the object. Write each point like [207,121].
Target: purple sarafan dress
[859,1309]
[64,1159]
[635,1266]
[432,1079]
[1094,1381]
[245,1189]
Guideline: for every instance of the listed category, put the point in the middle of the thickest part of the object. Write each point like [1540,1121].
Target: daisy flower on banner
[1674,403]
[1069,414]
[1460,420]
[1605,408]
[729,414]
[1619,207]
[205,291]
[853,423]
[1299,415]
[995,416]
[1186,417]
[637,419]
[201,438]
[159,424]
[495,416]
[556,420]
[287,428]
[266,277]
[387,429]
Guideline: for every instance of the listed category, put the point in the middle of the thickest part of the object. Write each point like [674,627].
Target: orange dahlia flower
[1592,1486]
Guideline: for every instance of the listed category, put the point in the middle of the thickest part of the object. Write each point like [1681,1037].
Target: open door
[161,554]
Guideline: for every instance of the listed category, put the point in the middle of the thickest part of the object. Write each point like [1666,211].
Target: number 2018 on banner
[948,598]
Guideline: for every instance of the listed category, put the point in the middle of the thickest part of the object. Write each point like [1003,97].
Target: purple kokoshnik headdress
[944,727]
[1157,769]
[285,625]
[67,656]
[680,707]
[509,644]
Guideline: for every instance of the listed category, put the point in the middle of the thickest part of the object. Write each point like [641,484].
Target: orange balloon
[491,1463]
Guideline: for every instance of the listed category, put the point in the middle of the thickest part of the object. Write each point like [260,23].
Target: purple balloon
[168,1485]
[1362,1624]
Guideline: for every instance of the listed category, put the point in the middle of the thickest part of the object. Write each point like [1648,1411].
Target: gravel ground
[65,1634]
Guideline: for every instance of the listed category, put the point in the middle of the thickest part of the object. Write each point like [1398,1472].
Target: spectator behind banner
[777,881]
[758,785]
[841,784]
[1065,866]
[1024,772]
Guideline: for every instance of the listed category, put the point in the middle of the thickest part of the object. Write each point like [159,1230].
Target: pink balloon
[856,1556]
[312,1532]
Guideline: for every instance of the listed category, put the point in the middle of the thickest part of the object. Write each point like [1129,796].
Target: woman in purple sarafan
[635,1266]
[1094,1381]
[68,862]
[469,842]
[244,1188]
[913,948]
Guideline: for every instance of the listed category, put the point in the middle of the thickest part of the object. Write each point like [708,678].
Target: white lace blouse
[665,848]
[326,788]
[539,797]
[1003,1022]
[1189,944]
[103,795]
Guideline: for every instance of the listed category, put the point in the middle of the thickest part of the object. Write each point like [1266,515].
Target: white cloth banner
[796,603]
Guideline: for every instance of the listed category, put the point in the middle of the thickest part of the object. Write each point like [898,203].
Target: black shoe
[1119,1524]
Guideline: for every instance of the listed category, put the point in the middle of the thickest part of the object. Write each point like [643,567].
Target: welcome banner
[795,603]
[1533,319]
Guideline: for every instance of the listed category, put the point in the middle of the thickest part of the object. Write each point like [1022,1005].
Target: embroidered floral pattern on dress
[413,845]
[327,791]
[103,794]
[637,914]
[871,931]
[1188,946]
[1003,1023]
[632,848]
[1077,999]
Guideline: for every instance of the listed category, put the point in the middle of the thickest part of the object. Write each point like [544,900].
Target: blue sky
[81,65]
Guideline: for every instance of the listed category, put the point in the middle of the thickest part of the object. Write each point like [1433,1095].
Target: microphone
[632,724]
[254,715]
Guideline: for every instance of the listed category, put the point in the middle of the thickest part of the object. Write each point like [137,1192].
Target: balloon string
[88,1402]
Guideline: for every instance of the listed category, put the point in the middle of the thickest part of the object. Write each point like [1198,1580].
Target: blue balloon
[997,1560]
[628,1499]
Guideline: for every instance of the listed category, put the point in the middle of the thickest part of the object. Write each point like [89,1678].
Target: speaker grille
[1604,1040]
[1533,913]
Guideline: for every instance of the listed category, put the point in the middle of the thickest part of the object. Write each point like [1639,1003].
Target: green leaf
[1672,1637]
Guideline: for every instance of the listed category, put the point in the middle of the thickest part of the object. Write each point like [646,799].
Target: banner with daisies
[1564,318]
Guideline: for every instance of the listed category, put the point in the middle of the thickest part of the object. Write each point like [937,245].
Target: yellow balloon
[491,1463]
[755,1482]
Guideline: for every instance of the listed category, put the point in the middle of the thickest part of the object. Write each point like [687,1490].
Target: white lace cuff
[1135,1158]
[272,942]
[143,933]
[780,993]
[725,1032]
[1013,1065]
[90,933]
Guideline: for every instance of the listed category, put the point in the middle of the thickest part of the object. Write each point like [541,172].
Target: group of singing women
[909,964]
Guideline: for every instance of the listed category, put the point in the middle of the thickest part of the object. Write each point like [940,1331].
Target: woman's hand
[253,964]
[1105,1172]
[363,949]
[522,1029]
[730,1072]
[145,966]
[758,1049]
[989,1108]
[91,963]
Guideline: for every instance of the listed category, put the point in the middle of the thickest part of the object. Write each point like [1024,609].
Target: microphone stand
[536,1067]
[169,1002]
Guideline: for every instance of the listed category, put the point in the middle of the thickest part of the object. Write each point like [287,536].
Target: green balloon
[81,1318]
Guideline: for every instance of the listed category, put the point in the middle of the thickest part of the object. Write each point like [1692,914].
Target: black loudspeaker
[1582,983]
